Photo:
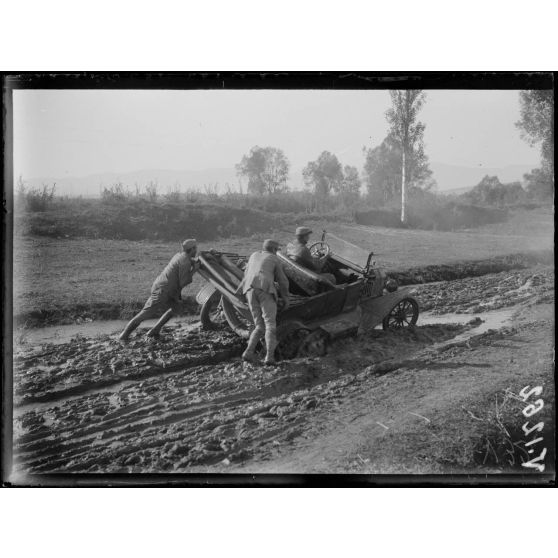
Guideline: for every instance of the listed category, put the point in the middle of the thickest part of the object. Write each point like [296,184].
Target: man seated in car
[299,252]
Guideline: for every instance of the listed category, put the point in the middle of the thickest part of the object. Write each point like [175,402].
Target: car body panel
[361,302]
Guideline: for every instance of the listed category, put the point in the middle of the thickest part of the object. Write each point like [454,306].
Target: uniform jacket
[175,276]
[263,270]
[301,254]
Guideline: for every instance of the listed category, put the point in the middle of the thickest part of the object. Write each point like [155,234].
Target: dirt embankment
[142,219]
[473,268]
[488,292]
[185,403]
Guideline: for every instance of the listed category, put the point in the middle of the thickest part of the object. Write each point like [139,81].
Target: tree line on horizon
[398,168]
[394,172]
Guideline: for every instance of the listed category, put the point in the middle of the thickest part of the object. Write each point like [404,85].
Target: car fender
[374,310]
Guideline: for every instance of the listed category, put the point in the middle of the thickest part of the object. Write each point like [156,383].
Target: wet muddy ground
[186,402]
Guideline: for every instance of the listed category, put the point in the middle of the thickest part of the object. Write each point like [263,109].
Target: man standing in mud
[165,291]
[262,272]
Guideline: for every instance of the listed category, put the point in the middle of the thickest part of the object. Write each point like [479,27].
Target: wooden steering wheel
[320,250]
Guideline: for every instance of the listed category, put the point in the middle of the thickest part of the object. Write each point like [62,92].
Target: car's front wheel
[404,314]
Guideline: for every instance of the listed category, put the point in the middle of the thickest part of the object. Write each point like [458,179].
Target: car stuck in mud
[321,310]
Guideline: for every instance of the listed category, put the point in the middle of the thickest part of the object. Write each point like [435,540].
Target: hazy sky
[76,133]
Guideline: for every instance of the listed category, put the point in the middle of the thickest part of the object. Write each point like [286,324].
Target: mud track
[80,313]
[187,401]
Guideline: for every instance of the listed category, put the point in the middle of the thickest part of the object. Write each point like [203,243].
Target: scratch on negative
[382,425]
[420,416]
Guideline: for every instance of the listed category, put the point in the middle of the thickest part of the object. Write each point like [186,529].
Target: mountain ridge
[448,177]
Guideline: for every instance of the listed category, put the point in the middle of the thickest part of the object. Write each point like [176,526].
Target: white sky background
[61,133]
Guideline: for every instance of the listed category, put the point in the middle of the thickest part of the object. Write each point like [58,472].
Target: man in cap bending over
[165,291]
[263,270]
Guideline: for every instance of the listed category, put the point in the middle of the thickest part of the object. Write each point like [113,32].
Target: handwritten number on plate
[538,427]
[533,408]
[525,393]
[533,463]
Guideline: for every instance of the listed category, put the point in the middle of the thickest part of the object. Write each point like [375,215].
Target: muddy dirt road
[382,402]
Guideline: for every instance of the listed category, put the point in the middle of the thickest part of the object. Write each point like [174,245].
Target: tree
[536,126]
[267,170]
[539,184]
[490,191]
[350,186]
[383,176]
[407,133]
[322,176]
[537,122]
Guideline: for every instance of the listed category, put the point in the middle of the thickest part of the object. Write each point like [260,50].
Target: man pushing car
[165,291]
[262,272]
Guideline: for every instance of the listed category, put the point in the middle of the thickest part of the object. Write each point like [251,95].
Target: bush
[115,193]
[491,192]
[35,199]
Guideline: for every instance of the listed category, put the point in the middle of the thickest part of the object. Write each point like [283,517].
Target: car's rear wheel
[211,314]
[404,314]
[314,344]
[236,320]
[289,339]
[296,340]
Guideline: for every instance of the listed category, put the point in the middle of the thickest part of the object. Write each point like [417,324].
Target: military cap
[301,231]
[189,243]
[270,244]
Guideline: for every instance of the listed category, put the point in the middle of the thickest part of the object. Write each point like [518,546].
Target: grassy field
[63,275]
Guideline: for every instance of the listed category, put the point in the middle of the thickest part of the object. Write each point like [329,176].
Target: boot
[249,355]
[270,345]
[156,329]
[127,330]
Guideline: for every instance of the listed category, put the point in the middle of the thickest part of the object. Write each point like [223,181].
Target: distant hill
[456,191]
[449,178]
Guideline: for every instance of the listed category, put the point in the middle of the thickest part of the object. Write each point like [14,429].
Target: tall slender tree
[406,132]
[382,172]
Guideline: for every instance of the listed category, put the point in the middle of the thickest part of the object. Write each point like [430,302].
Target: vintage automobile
[336,303]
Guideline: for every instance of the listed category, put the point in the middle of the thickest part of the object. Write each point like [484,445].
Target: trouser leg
[134,323]
[259,325]
[330,277]
[269,311]
[162,321]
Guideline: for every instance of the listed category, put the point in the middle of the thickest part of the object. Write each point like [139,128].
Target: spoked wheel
[296,340]
[315,344]
[211,315]
[404,314]
[289,344]
[238,322]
